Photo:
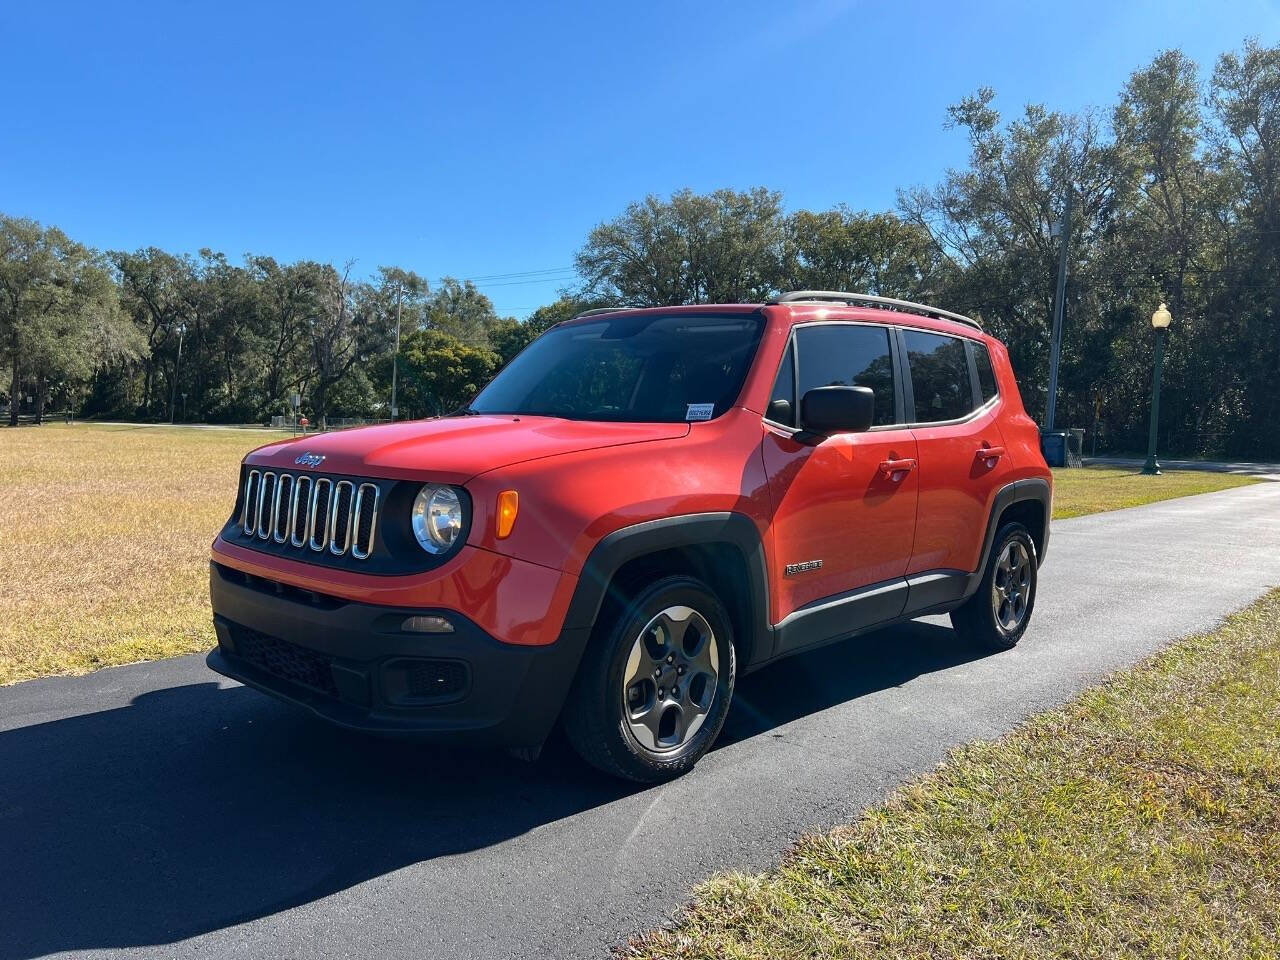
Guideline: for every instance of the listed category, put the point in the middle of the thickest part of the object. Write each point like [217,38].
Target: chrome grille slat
[335,519]
[357,551]
[322,483]
[330,515]
[278,533]
[301,503]
[266,497]
[249,516]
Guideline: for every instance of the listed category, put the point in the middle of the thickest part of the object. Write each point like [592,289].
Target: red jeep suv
[641,505]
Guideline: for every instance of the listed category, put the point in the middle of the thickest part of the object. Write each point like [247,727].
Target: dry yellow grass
[105,534]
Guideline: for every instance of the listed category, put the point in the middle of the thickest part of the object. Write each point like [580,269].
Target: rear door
[841,519]
[962,457]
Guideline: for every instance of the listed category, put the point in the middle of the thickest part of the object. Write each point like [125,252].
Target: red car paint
[580,481]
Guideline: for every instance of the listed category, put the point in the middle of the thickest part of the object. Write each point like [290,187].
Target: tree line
[1173,195]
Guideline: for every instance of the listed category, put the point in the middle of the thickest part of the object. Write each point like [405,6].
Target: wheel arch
[1027,502]
[723,549]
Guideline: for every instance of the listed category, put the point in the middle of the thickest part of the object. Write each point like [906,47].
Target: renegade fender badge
[792,569]
[310,459]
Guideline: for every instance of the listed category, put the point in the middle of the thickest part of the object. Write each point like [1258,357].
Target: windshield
[647,367]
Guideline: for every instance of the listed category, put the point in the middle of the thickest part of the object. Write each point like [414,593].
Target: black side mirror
[838,409]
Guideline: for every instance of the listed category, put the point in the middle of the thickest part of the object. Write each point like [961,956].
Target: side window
[986,375]
[845,355]
[782,403]
[939,376]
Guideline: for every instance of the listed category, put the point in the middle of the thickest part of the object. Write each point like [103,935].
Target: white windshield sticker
[700,411]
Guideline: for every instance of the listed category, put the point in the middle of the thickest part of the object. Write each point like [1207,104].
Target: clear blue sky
[482,139]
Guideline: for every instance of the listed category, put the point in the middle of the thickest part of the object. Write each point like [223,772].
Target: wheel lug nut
[671,658]
[660,694]
[675,693]
[680,670]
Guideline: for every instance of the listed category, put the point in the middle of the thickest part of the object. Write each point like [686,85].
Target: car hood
[452,449]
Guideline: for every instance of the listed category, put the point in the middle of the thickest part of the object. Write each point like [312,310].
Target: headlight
[437,518]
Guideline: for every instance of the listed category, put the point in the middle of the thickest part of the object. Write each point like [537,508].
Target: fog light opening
[427,623]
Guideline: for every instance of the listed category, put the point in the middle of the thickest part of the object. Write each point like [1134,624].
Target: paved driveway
[156,811]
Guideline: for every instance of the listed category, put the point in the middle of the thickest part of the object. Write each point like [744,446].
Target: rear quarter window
[986,373]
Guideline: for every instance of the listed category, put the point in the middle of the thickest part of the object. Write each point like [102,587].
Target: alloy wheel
[1011,586]
[670,679]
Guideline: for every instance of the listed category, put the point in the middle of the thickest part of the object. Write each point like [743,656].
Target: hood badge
[310,459]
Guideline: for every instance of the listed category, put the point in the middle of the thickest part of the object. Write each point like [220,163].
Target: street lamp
[177,367]
[1160,321]
[395,356]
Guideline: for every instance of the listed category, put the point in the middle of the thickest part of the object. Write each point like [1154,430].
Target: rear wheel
[996,616]
[655,684]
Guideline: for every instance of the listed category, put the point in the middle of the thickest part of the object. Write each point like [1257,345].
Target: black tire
[598,721]
[990,619]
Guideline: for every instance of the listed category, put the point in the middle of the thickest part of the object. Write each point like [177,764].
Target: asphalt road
[156,811]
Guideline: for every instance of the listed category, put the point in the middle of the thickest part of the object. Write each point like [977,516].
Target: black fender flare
[667,533]
[1033,488]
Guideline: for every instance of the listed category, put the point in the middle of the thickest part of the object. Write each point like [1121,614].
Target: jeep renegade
[640,506]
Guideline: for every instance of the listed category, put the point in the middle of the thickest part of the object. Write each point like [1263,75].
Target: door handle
[989,453]
[894,467]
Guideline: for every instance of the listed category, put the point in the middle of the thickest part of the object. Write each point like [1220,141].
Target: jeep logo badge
[310,459]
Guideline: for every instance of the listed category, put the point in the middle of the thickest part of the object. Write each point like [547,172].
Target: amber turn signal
[508,507]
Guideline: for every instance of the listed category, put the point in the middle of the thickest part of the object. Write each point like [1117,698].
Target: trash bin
[1075,447]
[1053,443]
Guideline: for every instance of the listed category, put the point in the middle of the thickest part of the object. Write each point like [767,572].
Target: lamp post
[1062,230]
[395,356]
[177,367]
[1160,321]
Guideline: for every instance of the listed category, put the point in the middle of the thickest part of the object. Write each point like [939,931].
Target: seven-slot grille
[310,513]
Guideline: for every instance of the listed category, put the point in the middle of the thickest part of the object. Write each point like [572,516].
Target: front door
[844,507]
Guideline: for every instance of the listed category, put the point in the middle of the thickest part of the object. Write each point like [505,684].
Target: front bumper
[352,664]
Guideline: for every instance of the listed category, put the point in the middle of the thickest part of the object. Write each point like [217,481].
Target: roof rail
[598,310]
[869,300]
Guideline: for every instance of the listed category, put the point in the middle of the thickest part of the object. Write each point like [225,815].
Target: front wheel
[996,617]
[655,684]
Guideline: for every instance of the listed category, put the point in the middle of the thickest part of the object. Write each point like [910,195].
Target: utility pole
[173,393]
[1059,305]
[395,357]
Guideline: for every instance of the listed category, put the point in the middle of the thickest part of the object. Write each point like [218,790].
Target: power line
[521,273]
[519,283]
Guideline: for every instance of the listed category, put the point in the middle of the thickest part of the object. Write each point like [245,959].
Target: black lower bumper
[353,664]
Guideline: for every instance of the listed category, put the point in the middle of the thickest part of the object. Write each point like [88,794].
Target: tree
[461,311]
[1245,100]
[992,226]
[156,291]
[59,313]
[874,253]
[442,373]
[722,247]
[344,329]
[289,303]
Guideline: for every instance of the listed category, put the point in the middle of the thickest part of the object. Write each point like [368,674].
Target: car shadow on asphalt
[199,807]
